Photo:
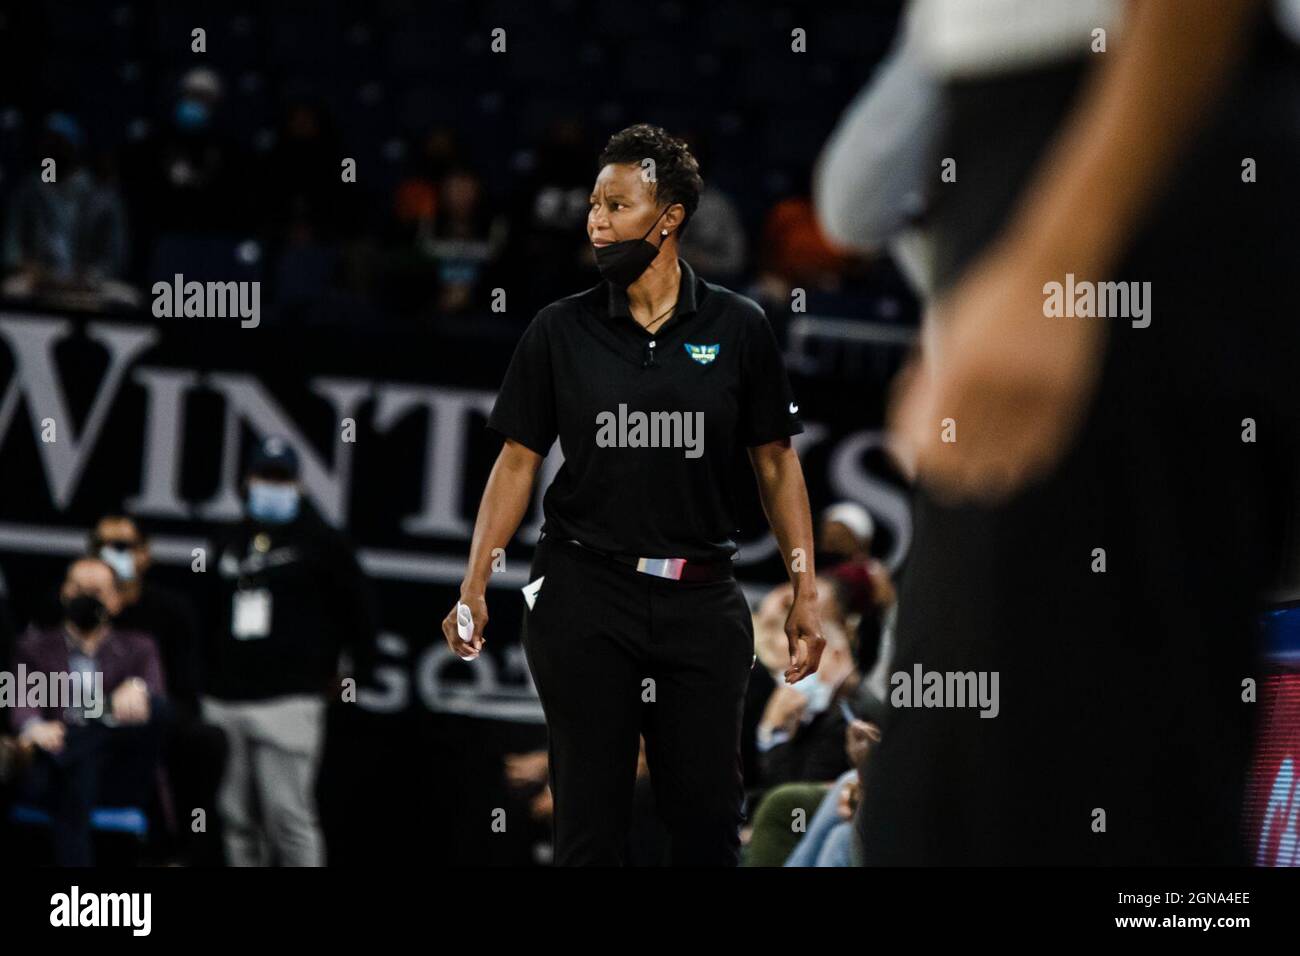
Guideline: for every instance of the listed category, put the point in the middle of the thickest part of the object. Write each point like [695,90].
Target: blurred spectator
[193,752]
[11,755]
[447,237]
[416,200]
[149,608]
[864,583]
[527,772]
[296,599]
[807,738]
[796,254]
[190,178]
[831,839]
[88,750]
[825,834]
[528,777]
[464,241]
[305,199]
[801,733]
[548,245]
[715,243]
[66,237]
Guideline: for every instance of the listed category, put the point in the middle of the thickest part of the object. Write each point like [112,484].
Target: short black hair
[677,174]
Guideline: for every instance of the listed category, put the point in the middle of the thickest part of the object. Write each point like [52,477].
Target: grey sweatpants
[275,748]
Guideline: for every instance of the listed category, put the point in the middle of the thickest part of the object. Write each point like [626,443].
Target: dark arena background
[376,200]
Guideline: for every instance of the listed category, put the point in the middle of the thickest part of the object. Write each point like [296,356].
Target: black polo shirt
[652,427]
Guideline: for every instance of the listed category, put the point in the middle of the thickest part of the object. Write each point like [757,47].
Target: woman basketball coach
[653,381]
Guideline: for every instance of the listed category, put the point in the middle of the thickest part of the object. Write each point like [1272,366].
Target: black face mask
[85,612]
[623,262]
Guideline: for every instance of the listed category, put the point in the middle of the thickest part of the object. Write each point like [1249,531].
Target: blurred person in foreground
[97,745]
[193,751]
[1060,538]
[293,598]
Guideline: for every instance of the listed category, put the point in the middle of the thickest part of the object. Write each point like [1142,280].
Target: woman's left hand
[804,632]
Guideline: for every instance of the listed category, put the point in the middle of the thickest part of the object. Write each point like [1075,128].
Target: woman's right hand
[467,651]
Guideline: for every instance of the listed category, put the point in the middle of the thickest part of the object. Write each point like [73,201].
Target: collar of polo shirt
[618,304]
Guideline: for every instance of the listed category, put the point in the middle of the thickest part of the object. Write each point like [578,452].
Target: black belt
[674,569]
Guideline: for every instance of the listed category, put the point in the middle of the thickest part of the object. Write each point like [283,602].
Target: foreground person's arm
[1015,383]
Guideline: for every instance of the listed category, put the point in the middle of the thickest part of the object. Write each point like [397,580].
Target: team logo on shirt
[704,354]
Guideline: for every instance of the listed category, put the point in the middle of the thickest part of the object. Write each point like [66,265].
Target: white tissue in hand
[464,623]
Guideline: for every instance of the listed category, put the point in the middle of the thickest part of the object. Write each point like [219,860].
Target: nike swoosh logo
[793,408]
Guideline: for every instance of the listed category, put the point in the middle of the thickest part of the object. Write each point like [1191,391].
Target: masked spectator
[96,741]
[801,732]
[189,177]
[193,752]
[293,598]
[809,744]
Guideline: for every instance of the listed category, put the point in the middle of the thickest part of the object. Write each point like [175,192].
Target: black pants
[617,654]
[1122,736]
[98,766]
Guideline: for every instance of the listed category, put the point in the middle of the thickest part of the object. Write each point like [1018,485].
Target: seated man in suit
[92,710]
